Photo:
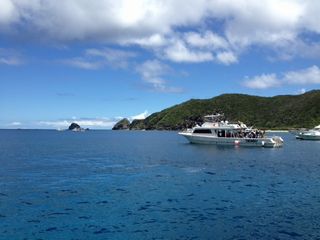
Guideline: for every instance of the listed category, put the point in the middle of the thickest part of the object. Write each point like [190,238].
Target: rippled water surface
[154,185]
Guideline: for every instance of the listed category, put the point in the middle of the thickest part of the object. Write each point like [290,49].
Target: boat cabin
[230,133]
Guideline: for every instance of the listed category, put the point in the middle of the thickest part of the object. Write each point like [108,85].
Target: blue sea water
[154,185]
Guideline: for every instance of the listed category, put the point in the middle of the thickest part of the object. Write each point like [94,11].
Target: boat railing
[214,118]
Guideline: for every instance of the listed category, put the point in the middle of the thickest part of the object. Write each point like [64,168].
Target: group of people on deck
[252,133]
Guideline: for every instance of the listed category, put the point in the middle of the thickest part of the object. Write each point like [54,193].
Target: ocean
[155,185]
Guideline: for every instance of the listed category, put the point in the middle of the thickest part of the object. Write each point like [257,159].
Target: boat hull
[249,142]
[308,137]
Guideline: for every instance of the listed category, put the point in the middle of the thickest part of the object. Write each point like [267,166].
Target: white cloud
[227,57]
[179,52]
[262,22]
[83,122]
[106,19]
[7,12]
[305,76]
[309,75]
[311,15]
[206,40]
[55,124]
[15,123]
[197,47]
[152,23]
[152,72]
[93,123]
[263,81]
[140,116]
[103,20]
[302,91]
[153,41]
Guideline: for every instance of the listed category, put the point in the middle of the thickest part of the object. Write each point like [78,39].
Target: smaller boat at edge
[214,131]
[311,134]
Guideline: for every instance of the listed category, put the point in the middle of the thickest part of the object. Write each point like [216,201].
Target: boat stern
[275,141]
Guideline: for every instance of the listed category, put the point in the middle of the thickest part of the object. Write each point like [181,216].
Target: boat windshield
[214,118]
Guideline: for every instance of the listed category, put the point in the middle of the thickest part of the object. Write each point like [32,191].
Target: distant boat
[312,134]
[214,131]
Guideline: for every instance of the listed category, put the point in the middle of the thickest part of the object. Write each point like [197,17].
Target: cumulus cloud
[8,12]
[263,22]
[227,57]
[262,81]
[153,41]
[103,20]
[309,75]
[179,52]
[106,19]
[208,40]
[152,72]
[197,47]
[150,23]
[305,76]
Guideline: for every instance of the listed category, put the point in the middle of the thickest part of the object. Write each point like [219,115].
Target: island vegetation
[278,112]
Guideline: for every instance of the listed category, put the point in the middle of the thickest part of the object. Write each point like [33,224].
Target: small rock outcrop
[75,127]
[123,124]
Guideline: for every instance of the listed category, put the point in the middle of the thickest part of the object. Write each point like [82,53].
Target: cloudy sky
[97,61]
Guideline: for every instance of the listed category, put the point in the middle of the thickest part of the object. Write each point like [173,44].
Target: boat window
[202,131]
[221,133]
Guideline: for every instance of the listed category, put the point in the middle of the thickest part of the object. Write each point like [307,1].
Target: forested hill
[279,112]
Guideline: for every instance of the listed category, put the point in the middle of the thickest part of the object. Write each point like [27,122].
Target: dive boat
[312,134]
[213,131]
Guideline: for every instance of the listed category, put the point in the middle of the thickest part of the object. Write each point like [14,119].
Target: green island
[279,112]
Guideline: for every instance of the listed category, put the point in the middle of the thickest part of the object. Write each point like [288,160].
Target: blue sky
[96,62]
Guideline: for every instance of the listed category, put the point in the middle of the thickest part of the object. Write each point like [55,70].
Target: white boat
[213,131]
[312,134]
